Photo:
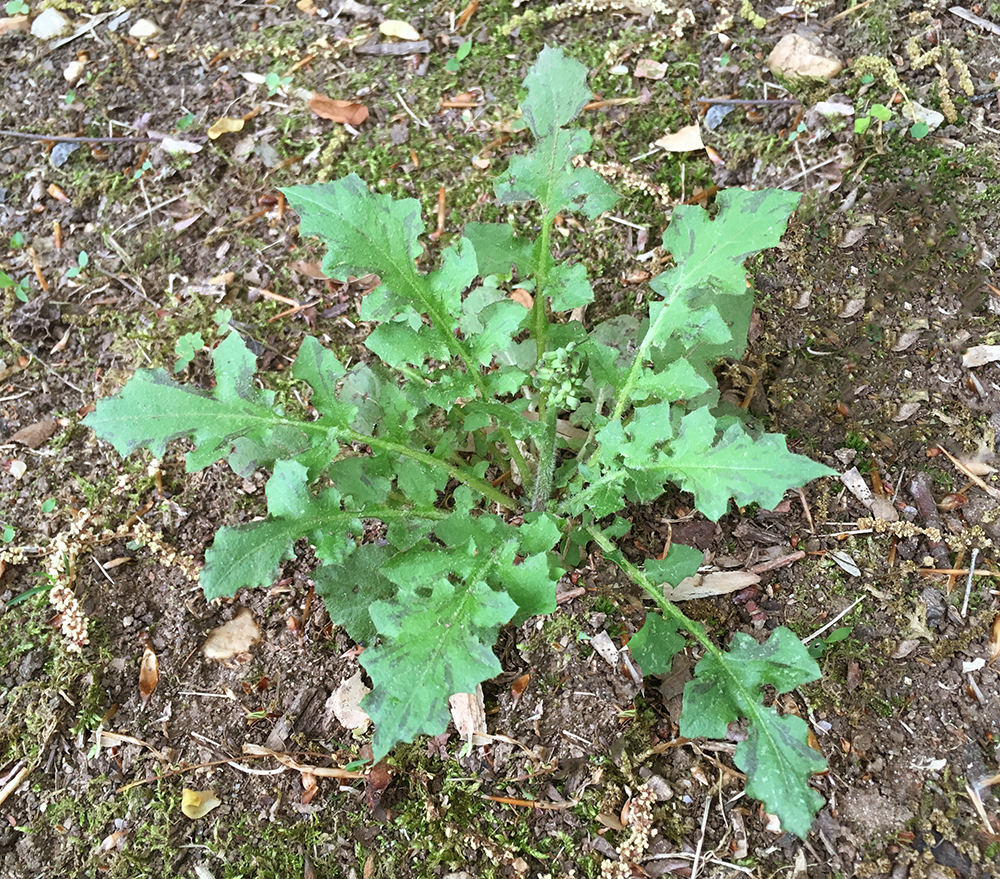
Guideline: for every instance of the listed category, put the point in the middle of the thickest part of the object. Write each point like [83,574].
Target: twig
[834,621]
[15,782]
[131,224]
[410,113]
[701,838]
[989,489]
[58,138]
[750,102]
[968,585]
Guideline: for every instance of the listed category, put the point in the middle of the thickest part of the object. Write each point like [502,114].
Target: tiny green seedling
[275,83]
[17,241]
[185,122]
[20,288]
[187,346]
[16,7]
[819,645]
[453,64]
[142,169]
[493,442]
[48,505]
[883,114]
[82,261]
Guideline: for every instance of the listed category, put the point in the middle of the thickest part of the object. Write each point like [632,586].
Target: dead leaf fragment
[198,803]
[236,636]
[468,710]
[346,703]
[522,297]
[177,147]
[35,435]
[15,23]
[518,687]
[704,586]
[681,141]
[994,642]
[906,411]
[980,355]
[376,782]
[224,125]
[647,68]
[149,674]
[344,112]
[401,30]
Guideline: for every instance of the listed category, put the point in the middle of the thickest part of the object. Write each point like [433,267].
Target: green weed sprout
[490,442]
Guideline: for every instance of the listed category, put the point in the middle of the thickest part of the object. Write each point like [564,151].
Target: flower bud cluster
[562,373]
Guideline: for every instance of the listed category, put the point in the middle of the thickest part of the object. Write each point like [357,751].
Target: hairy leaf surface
[776,755]
[436,641]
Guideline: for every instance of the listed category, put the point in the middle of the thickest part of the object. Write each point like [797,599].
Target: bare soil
[883,281]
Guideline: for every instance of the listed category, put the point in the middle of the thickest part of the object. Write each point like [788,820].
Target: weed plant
[493,442]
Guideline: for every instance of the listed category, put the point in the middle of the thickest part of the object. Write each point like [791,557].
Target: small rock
[73,71]
[144,29]
[798,57]
[51,23]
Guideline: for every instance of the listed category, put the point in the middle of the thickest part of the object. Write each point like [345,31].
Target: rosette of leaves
[465,393]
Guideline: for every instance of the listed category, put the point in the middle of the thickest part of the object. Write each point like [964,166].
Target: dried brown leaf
[683,140]
[149,674]
[344,112]
[37,434]
[236,636]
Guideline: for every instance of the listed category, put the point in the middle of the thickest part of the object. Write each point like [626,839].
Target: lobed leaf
[776,755]
[735,466]
[152,409]
[709,254]
[655,644]
[249,555]
[436,641]
[557,91]
[364,232]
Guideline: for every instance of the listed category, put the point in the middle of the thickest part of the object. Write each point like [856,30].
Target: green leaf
[568,286]
[881,112]
[152,409]
[680,562]
[249,555]
[546,175]
[919,130]
[557,90]
[320,368]
[776,755]
[861,125]
[435,642]
[364,232]
[348,589]
[187,346]
[498,249]
[735,466]
[490,320]
[710,260]
[655,644]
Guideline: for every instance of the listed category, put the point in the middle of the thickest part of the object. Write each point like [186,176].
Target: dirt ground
[884,280]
